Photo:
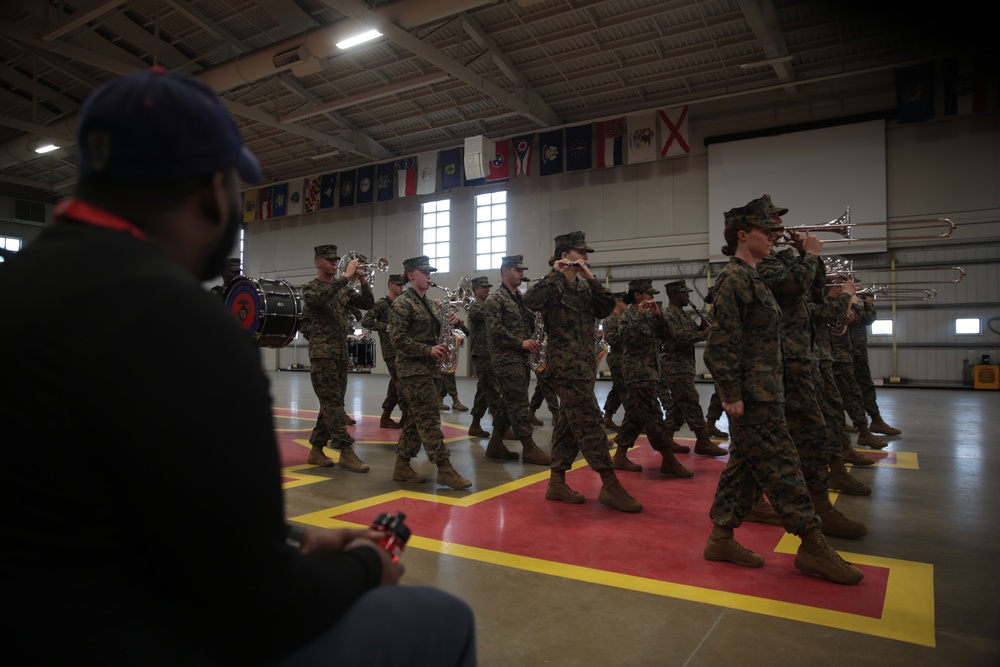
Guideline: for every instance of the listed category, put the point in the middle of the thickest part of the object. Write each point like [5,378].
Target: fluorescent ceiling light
[47,148]
[358,39]
[42,146]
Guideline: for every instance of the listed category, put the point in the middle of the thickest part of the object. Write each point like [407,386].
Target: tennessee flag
[499,167]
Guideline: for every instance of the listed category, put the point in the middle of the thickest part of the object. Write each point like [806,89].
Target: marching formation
[785,342]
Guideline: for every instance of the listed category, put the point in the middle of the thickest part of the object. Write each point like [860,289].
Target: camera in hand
[394,533]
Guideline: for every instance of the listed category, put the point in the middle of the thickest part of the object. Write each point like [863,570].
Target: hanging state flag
[280,205]
[550,155]
[915,93]
[427,173]
[328,191]
[499,165]
[406,176]
[966,86]
[641,137]
[522,147]
[365,185]
[250,205]
[579,147]
[264,205]
[295,197]
[674,126]
[312,186]
[610,142]
[452,163]
[386,180]
[346,188]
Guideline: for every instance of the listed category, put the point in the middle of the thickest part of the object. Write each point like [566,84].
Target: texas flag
[674,132]
[406,177]
[523,148]
[499,167]
[610,142]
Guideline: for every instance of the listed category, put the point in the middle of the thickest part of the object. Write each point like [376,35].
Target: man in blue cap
[165,541]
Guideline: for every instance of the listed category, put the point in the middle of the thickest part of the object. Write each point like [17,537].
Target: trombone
[843,227]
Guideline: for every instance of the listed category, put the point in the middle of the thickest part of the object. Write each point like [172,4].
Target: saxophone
[601,347]
[450,337]
[537,359]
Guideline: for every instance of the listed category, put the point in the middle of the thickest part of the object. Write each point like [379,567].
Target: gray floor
[941,513]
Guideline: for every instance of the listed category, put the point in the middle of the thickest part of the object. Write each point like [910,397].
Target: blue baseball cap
[157,126]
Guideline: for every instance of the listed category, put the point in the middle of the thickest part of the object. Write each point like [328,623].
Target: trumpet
[364,268]
[843,227]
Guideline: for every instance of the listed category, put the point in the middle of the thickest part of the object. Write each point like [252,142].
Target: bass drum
[271,310]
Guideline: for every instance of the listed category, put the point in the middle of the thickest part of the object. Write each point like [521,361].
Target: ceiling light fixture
[42,146]
[360,38]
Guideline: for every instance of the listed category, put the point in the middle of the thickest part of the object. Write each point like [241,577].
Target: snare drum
[361,352]
[270,310]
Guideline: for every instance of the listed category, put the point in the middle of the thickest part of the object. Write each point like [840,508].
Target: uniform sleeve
[400,320]
[364,299]
[501,335]
[375,319]
[546,291]
[787,276]
[601,299]
[612,330]
[723,352]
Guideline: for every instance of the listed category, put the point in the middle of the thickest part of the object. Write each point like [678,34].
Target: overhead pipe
[299,53]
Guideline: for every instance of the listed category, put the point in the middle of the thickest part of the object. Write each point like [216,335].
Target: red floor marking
[664,542]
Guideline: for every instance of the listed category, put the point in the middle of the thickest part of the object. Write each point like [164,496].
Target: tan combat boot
[535,421]
[704,446]
[614,495]
[441,405]
[675,446]
[621,461]
[856,458]
[349,420]
[350,460]
[532,454]
[834,523]
[816,557]
[387,421]
[318,458]
[448,476]
[843,481]
[558,490]
[402,472]
[714,432]
[762,512]
[509,435]
[457,405]
[868,439]
[721,546]
[878,425]
[476,430]
[671,466]
[850,428]
[495,449]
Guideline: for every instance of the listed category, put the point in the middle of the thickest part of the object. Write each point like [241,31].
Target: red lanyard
[80,211]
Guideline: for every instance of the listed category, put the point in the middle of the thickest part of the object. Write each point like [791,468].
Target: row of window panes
[964,326]
[486,229]
[437,219]
[490,261]
[491,245]
[494,212]
[437,235]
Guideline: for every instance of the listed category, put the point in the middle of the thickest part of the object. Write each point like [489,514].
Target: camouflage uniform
[640,334]
[544,391]
[790,277]
[714,412]
[229,274]
[619,391]
[833,407]
[569,311]
[858,331]
[843,372]
[487,390]
[377,319]
[509,324]
[677,369]
[325,305]
[744,356]
[448,386]
[414,326]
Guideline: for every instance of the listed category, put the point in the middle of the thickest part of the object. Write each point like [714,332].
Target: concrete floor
[930,519]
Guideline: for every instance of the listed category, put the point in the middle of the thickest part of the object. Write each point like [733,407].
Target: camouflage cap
[757,213]
[327,252]
[422,263]
[676,286]
[513,262]
[233,265]
[481,281]
[396,279]
[643,285]
[575,240]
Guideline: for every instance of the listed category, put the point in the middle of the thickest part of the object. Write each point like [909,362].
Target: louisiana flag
[522,147]
[451,168]
[365,186]
[250,205]
[264,205]
[579,147]
[550,157]
[499,165]
[610,142]
[386,180]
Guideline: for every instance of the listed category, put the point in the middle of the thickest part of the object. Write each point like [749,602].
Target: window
[491,230]
[882,328]
[971,326]
[436,225]
[9,244]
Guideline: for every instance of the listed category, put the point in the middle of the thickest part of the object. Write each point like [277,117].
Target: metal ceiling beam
[763,19]
[35,128]
[33,88]
[87,13]
[379,92]
[543,117]
[207,24]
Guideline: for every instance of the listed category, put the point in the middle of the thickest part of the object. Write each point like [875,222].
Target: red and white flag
[674,130]
[523,148]
[610,142]
[406,177]
[499,165]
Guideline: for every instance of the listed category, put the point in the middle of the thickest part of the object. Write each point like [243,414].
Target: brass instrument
[843,227]
[364,268]
[601,346]
[452,337]
[537,359]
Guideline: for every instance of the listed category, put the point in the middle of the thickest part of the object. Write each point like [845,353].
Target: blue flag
[452,168]
[365,185]
[347,179]
[579,147]
[386,180]
[280,206]
[327,190]
[550,154]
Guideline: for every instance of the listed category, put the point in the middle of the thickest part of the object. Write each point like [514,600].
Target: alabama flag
[674,132]
[523,148]
[610,142]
